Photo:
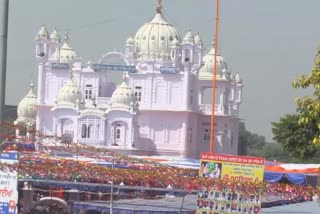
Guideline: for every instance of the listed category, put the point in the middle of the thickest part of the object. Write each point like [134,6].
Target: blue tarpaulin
[295,178]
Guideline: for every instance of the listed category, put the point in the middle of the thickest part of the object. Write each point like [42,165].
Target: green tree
[296,138]
[308,107]
[6,129]
[300,133]
[249,143]
[252,144]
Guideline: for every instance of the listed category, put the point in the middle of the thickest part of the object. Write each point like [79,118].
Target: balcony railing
[218,109]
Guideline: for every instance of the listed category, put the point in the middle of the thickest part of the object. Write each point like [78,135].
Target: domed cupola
[175,43]
[206,71]
[188,38]
[55,37]
[155,38]
[69,95]
[43,33]
[67,54]
[27,108]
[123,97]
[198,41]
[130,41]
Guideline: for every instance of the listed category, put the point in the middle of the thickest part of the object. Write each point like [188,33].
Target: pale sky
[269,42]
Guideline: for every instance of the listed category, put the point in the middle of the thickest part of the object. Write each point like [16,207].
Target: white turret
[42,40]
[206,71]
[54,46]
[123,97]
[55,37]
[69,95]
[238,79]
[130,52]
[198,50]
[43,33]
[187,46]
[175,52]
[198,41]
[66,53]
[27,109]
[188,38]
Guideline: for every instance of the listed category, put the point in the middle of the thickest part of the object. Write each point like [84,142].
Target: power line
[97,23]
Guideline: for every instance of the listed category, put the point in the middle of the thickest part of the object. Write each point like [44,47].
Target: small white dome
[69,94]
[208,64]
[123,97]
[55,37]
[26,109]
[188,38]
[43,33]
[155,38]
[175,43]
[130,41]
[67,54]
[198,41]
[238,79]
[232,77]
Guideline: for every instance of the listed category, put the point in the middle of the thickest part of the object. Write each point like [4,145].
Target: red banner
[232,158]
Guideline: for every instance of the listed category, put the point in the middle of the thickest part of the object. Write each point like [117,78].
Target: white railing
[218,109]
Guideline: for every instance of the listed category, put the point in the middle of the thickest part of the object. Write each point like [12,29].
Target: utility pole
[214,79]
[111,192]
[3,54]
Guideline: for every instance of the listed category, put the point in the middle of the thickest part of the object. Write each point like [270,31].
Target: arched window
[84,131]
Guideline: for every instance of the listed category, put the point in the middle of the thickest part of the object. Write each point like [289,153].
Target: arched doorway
[65,128]
[119,130]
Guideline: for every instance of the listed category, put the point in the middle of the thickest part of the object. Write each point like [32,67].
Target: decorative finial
[159,6]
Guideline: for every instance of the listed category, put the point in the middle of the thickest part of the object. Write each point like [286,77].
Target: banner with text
[224,198]
[8,184]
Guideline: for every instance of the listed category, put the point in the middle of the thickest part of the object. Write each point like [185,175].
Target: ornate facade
[159,106]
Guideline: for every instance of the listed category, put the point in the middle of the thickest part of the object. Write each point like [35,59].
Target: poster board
[8,184]
[233,195]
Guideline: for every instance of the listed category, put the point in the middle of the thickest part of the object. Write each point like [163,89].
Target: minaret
[42,41]
[3,56]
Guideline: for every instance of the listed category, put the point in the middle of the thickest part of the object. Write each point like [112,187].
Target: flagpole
[3,54]
[214,79]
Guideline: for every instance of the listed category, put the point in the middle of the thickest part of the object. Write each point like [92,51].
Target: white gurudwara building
[159,108]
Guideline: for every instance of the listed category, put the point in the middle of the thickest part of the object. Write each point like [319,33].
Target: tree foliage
[296,138]
[249,143]
[308,107]
[300,133]
[252,144]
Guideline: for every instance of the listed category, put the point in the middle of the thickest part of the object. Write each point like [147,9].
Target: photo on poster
[211,170]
